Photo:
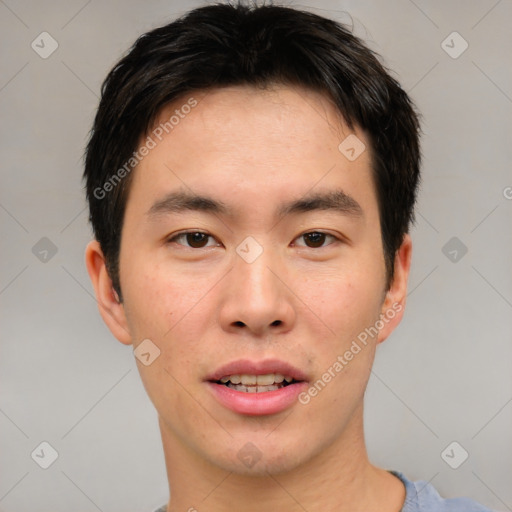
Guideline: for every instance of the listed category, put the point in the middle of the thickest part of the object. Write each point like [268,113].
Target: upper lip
[248,367]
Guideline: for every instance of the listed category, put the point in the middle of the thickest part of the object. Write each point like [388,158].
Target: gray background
[444,376]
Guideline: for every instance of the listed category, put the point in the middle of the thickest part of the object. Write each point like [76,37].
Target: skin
[205,306]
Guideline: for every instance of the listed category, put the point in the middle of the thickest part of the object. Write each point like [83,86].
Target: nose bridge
[257,299]
[252,268]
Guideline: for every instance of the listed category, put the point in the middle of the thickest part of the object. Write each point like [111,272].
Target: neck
[340,477]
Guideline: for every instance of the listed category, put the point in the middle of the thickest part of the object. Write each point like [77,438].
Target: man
[251,175]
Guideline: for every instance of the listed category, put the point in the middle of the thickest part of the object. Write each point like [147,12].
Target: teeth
[254,389]
[268,388]
[248,380]
[264,380]
[256,380]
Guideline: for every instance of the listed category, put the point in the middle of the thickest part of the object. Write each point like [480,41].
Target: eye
[194,239]
[315,239]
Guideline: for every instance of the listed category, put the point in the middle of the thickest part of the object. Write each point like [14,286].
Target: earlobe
[109,305]
[393,306]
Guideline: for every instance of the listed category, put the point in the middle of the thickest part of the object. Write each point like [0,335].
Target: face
[277,272]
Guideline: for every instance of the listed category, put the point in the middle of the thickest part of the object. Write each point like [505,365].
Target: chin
[259,457]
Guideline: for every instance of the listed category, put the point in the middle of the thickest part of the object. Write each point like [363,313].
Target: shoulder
[421,496]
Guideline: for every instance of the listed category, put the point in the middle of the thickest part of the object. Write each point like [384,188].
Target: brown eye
[197,240]
[316,239]
[192,239]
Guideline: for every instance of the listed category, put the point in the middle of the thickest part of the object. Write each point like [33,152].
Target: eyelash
[185,233]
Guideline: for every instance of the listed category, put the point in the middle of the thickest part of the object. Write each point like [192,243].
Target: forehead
[249,140]
[287,115]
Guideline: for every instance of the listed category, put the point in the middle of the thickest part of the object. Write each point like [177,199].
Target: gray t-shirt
[420,496]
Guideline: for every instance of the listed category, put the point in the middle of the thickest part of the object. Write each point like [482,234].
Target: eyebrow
[333,200]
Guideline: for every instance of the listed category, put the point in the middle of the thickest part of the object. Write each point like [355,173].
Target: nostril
[276,322]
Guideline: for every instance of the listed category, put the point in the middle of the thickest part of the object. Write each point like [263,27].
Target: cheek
[346,301]
[159,301]
[167,310]
[175,312]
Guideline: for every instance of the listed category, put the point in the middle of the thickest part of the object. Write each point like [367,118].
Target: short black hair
[224,45]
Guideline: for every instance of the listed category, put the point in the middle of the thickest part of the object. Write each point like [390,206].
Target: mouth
[257,388]
[257,383]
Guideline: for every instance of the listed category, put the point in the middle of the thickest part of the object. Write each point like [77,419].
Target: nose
[256,297]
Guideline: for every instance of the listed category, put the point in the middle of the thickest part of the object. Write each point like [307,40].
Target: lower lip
[256,404]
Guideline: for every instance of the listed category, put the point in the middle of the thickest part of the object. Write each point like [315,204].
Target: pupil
[196,239]
[316,239]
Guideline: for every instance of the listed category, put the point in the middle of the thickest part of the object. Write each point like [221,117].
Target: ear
[393,306]
[111,310]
